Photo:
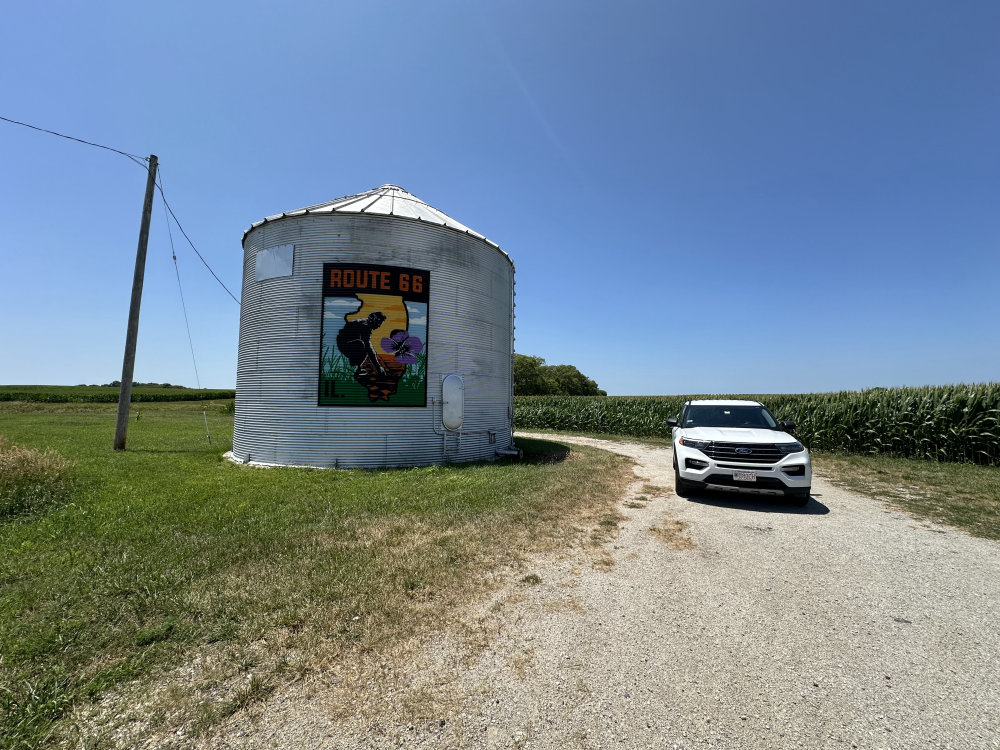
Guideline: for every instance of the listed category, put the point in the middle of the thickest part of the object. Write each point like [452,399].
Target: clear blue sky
[698,196]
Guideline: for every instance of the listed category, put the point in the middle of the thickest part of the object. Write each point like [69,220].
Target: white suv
[738,446]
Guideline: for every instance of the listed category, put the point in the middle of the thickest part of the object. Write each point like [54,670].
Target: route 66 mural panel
[373,345]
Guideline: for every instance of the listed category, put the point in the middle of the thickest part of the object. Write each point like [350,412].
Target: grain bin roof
[388,200]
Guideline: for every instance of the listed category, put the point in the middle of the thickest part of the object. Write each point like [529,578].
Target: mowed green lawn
[166,549]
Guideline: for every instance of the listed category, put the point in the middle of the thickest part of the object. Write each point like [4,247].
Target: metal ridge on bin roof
[387,200]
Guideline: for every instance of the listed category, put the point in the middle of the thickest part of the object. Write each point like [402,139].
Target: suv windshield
[721,415]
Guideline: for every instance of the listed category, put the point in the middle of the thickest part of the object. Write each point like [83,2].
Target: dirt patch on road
[673,533]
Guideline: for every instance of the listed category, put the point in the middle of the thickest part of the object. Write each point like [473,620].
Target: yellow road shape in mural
[392,307]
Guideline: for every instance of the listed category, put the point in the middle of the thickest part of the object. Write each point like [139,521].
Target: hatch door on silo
[453,402]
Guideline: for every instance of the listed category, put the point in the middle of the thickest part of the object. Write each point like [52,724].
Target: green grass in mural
[337,386]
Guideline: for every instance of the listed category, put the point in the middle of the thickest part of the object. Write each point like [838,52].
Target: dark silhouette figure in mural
[355,342]
[379,373]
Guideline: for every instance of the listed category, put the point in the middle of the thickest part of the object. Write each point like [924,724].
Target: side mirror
[789,425]
[672,422]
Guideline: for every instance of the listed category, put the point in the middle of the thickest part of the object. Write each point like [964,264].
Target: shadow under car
[758,503]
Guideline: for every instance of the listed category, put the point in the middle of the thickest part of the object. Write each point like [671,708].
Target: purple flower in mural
[403,347]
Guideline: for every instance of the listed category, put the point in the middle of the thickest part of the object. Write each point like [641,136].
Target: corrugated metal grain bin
[374,331]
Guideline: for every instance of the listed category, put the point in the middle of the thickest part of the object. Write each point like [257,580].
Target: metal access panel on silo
[373,345]
[452,402]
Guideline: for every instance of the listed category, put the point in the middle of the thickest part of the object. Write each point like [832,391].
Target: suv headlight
[696,444]
[787,448]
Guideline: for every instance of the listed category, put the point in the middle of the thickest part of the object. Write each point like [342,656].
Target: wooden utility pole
[128,365]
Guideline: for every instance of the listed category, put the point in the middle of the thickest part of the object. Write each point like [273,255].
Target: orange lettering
[335,277]
[384,276]
[404,282]
[418,284]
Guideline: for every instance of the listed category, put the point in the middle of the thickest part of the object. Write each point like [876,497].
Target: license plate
[745,476]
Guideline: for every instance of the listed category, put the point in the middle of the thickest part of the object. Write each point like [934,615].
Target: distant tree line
[532,377]
[136,384]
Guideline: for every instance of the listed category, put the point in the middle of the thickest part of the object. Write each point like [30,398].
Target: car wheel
[681,487]
[799,497]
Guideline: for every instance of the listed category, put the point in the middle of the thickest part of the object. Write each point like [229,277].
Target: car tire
[799,498]
[681,486]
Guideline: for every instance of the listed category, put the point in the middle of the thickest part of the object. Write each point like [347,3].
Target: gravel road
[721,623]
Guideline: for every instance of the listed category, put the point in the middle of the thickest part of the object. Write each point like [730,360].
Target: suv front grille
[762,483]
[760,453]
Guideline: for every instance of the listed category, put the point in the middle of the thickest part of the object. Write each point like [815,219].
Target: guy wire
[180,289]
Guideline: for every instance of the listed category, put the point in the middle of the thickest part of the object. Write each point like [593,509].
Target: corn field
[101,394]
[941,423]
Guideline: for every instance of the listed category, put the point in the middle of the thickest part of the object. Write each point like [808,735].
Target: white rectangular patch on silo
[273,262]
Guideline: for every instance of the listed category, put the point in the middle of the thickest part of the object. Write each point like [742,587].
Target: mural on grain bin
[373,345]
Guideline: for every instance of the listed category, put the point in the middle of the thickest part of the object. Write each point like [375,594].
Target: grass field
[962,495]
[166,550]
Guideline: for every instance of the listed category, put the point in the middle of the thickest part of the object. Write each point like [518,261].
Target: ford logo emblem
[744,451]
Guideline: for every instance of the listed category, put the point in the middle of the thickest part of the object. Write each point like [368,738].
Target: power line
[141,160]
[167,205]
